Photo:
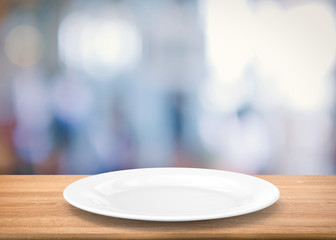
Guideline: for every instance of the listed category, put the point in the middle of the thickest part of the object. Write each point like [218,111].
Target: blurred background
[94,86]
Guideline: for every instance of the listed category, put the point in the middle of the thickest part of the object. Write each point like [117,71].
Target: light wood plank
[32,207]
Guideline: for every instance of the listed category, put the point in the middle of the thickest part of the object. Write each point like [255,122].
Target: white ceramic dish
[171,194]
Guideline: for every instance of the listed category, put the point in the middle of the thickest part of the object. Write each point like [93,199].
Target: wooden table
[32,207]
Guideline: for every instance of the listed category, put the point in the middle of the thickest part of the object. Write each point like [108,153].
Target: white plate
[171,194]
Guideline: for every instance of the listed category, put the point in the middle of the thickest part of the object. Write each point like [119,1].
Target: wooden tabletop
[32,207]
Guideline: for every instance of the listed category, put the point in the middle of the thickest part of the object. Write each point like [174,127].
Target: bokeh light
[101,47]
[24,45]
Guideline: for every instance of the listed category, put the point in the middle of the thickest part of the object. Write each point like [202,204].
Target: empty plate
[171,194]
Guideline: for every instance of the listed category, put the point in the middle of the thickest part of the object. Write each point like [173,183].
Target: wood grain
[32,207]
